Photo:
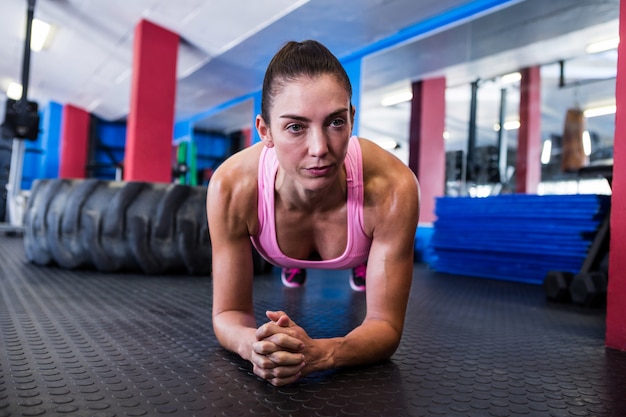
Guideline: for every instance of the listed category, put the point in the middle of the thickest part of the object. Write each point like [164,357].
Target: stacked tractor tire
[154,228]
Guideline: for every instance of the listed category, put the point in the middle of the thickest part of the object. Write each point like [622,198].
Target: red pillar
[528,164]
[153,95]
[427,155]
[247,137]
[616,300]
[74,142]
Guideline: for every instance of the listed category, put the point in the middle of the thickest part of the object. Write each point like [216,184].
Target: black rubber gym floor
[84,343]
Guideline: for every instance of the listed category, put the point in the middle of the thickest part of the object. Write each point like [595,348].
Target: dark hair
[296,59]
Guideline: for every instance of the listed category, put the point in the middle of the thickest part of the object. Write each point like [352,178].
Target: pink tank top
[358,243]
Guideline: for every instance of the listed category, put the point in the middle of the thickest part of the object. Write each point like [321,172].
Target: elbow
[218,329]
[393,345]
[388,340]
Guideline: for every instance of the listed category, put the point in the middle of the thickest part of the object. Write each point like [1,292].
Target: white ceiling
[225,47]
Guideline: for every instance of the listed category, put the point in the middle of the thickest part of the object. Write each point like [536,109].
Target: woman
[310,195]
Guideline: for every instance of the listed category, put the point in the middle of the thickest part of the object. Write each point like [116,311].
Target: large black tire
[113,226]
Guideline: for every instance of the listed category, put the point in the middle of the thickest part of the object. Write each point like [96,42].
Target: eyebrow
[306,119]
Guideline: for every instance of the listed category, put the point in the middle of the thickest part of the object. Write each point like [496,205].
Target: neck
[293,197]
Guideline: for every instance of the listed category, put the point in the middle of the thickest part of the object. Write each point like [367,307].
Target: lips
[319,171]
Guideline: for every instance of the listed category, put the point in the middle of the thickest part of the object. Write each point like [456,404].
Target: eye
[295,128]
[337,122]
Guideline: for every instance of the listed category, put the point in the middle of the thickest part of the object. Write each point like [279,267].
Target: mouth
[319,171]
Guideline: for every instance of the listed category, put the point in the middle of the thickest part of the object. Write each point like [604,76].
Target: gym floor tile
[84,343]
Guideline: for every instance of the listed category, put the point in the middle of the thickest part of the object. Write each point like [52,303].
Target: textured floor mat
[84,343]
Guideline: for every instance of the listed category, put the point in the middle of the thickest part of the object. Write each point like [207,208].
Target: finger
[278,342]
[268,329]
[282,358]
[262,362]
[280,318]
[274,315]
[284,321]
[265,347]
[279,376]
[286,342]
[279,382]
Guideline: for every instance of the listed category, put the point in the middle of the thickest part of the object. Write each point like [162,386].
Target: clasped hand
[278,355]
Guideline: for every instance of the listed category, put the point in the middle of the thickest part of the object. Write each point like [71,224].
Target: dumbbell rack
[589,286]
[600,245]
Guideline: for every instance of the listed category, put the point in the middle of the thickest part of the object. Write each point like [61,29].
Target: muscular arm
[233,314]
[391,212]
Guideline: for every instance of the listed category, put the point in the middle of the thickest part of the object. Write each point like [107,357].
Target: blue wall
[51,140]
[211,150]
[41,156]
[109,147]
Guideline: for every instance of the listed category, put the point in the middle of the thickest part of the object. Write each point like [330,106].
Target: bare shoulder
[383,172]
[237,169]
[391,188]
[232,191]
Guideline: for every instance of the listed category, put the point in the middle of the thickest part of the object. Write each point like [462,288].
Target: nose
[318,143]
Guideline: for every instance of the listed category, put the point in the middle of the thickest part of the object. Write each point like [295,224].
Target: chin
[316,184]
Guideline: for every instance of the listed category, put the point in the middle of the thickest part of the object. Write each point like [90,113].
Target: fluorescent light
[92,106]
[512,125]
[39,35]
[600,111]
[587,143]
[508,125]
[601,46]
[546,152]
[14,91]
[511,78]
[123,76]
[396,98]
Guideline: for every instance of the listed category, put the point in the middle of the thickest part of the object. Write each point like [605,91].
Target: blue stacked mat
[516,237]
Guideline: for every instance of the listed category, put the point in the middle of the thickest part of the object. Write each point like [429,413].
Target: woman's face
[310,126]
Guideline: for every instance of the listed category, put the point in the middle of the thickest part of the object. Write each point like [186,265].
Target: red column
[153,94]
[74,142]
[616,300]
[528,164]
[247,137]
[427,155]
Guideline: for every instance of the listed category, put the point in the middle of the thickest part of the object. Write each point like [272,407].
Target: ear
[264,131]
[352,113]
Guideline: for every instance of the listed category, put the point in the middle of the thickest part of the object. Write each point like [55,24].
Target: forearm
[235,330]
[371,342]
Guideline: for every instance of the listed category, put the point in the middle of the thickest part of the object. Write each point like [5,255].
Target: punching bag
[573,154]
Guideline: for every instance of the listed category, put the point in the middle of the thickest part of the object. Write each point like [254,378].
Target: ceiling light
[39,35]
[600,111]
[14,91]
[123,76]
[446,134]
[396,98]
[508,125]
[511,78]
[546,152]
[92,106]
[601,46]
[512,125]
[586,143]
